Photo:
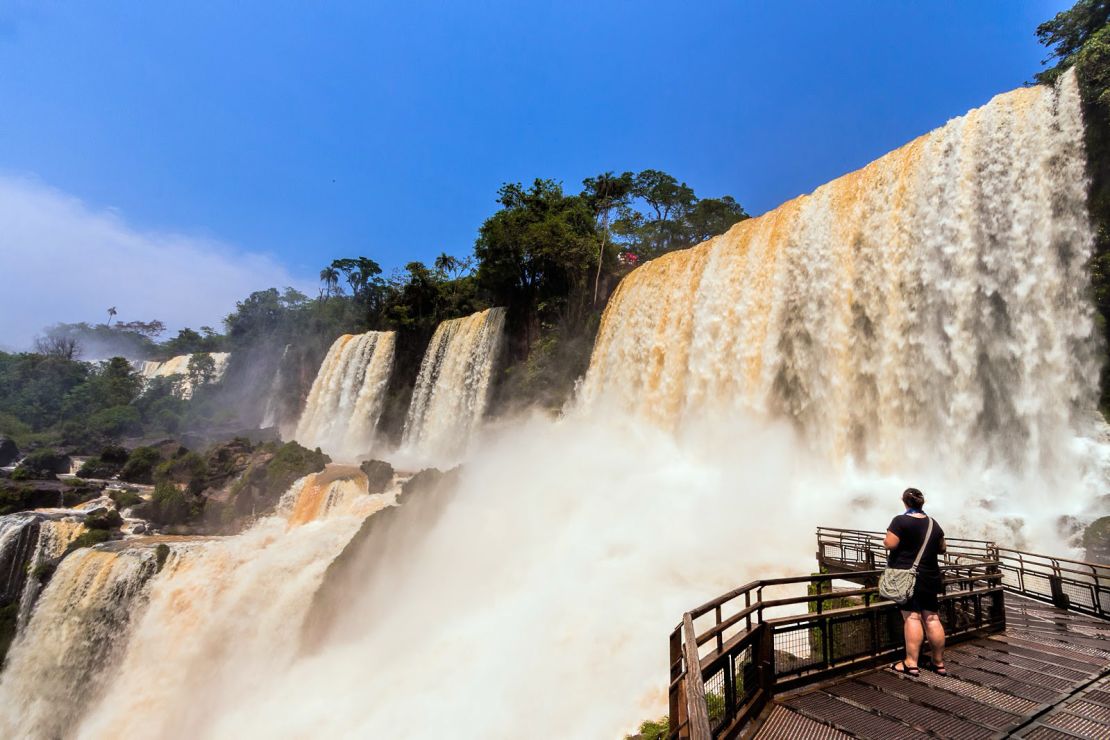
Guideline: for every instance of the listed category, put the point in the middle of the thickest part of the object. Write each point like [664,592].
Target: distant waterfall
[342,411]
[271,415]
[933,302]
[179,366]
[452,389]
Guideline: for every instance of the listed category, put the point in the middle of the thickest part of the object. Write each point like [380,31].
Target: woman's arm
[891,540]
[943,546]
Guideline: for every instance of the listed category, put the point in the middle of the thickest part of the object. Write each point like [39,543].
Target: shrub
[15,498]
[170,505]
[125,499]
[654,729]
[140,465]
[45,463]
[103,519]
[88,539]
[115,421]
[160,554]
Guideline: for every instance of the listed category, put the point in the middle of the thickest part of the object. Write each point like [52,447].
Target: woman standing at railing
[914,536]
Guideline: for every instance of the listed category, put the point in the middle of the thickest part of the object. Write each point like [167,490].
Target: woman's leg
[914,637]
[934,630]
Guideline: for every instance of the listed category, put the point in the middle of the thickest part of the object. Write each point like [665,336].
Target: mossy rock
[103,519]
[88,539]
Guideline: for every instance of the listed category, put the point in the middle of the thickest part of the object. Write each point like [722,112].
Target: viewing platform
[808,656]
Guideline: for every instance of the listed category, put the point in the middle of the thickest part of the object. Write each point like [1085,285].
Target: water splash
[452,389]
[345,402]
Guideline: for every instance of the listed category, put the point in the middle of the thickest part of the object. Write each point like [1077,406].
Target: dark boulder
[379,474]
[1096,539]
[9,452]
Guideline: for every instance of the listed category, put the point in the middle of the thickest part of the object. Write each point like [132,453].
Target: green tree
[1067,33]
[536,254]
[329,276]
[201,370]
[605,193]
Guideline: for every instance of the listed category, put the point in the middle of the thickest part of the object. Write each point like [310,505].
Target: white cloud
[62,260]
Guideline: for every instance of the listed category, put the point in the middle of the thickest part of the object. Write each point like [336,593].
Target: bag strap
[924,543]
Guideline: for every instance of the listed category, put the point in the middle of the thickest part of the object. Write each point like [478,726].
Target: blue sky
[294,133]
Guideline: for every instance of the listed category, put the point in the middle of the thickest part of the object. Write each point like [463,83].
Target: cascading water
[551,576]
[346,400]
[271,415]
[179,366]
[62,661]
[452,389]
[54,536]
[928,309]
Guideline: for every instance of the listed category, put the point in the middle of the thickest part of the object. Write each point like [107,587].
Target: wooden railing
[1069,584]
[731,655]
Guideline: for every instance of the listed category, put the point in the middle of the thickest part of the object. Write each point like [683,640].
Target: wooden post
[696,708]
[677,693]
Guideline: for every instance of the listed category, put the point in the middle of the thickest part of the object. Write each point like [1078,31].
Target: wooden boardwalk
[1046,677]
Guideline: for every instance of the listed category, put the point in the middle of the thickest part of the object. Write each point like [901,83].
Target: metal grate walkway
[1046,677]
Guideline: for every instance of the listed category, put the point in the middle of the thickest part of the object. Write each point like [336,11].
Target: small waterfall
[271,415]
[61,662]
[347,397]
[179,365]
[452,389]
[18,534]
[55,534]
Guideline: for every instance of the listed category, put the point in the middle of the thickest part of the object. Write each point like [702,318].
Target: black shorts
[925,592]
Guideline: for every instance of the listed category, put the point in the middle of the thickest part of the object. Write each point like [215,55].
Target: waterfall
[61,662]
[346,400]
[271,415]
[179,366]
[452,389]
[220,611]
[18,533]
[54,536]
[930,306]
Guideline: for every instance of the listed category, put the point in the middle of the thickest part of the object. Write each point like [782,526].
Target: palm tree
[447,265]
[111,313]
[329,276]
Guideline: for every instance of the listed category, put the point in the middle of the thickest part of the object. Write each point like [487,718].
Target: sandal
[938,669]
[912,671]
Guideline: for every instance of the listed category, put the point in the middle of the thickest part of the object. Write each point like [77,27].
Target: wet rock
[9,453]
[379,474]
[1096,540]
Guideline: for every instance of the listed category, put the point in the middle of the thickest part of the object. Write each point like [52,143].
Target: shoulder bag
[897,584]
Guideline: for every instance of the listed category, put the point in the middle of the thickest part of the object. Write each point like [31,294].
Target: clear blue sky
[314,130]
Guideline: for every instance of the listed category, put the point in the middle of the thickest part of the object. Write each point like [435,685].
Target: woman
[919,614]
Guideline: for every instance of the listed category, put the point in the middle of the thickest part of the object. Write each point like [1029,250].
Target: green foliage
[103,519]
[125,499]
[88,539]
[189,342]
[658,729]
[171,505]
[44,571]
[1067,34]
[189,468]
[114,422]
[201,370]
[161,553]
[45,464]
[140,465]
[15,496]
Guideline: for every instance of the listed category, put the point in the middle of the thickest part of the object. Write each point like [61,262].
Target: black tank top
[911,531]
